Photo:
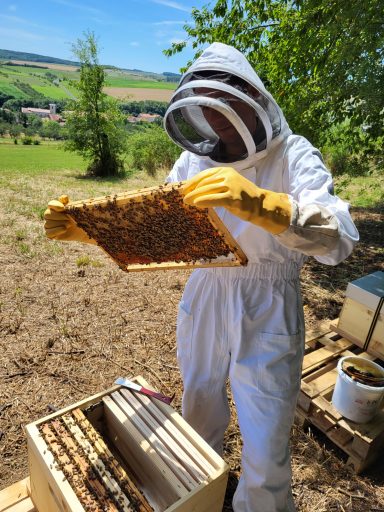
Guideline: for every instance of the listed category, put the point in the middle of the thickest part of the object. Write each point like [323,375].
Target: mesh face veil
[220,116]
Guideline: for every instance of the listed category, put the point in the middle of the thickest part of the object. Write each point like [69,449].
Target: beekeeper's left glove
[223,186]
[60,226]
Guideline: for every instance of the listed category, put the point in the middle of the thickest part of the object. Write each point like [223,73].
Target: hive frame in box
[175,469]
[234,257]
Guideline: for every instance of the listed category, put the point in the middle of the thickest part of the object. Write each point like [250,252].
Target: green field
[138,83]
[37,159]
[14,78]
[50,157]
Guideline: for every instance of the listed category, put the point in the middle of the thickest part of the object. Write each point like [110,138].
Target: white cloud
[19,34]
[16,19]
[81,7]
[134,43]
[174,5]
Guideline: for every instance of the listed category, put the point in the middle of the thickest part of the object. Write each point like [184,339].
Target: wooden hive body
[126,438]
[152,229]
[362,316]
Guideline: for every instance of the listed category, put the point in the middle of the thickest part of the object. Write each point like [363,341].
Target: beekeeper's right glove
[60,226]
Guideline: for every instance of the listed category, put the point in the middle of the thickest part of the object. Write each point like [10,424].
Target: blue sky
[131,33]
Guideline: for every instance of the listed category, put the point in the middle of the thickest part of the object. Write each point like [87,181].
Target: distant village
[51,115]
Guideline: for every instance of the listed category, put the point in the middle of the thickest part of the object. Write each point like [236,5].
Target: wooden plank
[15,494]
[207,451]
[50,492]
[199,461]
[158,483]
[25,505]
[324,355]
[81,404]
[176,470]
[205,498]
[187,465]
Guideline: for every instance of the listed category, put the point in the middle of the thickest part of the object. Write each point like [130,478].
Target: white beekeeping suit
[247,323]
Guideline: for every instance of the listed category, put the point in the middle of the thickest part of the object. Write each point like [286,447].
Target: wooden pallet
[362,443]
[15,498]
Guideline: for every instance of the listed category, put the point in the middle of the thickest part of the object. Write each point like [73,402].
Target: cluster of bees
[156,227]
[95,475]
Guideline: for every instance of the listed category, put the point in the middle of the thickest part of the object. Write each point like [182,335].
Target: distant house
[44,113]
[148,118]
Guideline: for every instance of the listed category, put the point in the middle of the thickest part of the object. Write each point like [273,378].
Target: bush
[345,150]
[151,149]
[27,141]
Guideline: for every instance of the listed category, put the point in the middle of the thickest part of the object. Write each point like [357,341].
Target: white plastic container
[356,401]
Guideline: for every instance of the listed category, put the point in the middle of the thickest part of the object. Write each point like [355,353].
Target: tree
[51,130]
[95,124]
[321,59]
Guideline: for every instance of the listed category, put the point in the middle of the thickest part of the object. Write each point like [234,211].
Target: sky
[131,34]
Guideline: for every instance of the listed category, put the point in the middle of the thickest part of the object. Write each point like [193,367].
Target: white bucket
[356,401]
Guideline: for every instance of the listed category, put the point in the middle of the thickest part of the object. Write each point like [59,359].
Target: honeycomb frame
[152,229]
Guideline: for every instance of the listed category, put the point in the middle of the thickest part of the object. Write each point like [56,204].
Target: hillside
[32,77]
[33,57]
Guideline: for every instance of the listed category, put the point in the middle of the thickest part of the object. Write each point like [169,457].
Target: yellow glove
[223,186]
[60,226]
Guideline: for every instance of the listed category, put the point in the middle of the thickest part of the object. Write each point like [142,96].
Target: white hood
[226,59]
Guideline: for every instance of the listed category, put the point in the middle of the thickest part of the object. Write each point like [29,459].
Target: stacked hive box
[122,451]
[362,316]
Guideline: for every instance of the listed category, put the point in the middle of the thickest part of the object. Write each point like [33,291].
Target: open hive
[122,451]
[152,228]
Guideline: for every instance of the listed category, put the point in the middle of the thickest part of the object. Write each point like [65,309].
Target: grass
[141,84]
[17,158]
[361,191]
[30,176]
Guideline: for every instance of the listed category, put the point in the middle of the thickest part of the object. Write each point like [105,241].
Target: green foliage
[150,149]
[27,89]
[52,130]
[95,124]
[321,59]
[16,104]
[146,106]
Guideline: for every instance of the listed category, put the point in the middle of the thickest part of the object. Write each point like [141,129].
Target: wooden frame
[175,469]
[160,195]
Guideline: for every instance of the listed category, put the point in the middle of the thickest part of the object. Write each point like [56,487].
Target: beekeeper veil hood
[221,109]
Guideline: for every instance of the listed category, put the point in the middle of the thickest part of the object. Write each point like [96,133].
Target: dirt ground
[71,322]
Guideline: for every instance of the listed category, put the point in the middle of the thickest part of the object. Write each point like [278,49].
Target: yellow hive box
[122,450]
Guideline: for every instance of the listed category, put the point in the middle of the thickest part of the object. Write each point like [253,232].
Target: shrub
[151,149]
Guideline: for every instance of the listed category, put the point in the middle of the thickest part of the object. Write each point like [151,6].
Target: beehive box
[362,316]
[122,451]
[152,229]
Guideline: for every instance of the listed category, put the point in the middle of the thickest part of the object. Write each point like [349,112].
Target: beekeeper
[273,192]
